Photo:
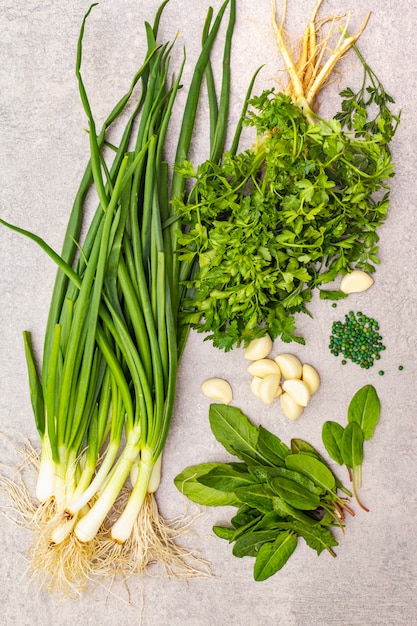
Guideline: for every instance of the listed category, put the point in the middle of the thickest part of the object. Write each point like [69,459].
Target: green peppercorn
[357,339]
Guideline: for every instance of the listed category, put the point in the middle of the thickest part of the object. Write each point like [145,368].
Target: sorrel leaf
[299,445]
[271,447]
[249,544]
[188,483]
[365,409]
[223,532]
[314,469]
[316,536]
[301,479]
[244,516]
[332,434]
[233,430]
[295,494]
[257,496]
[285,510]
[226,478]
[272,557]
[352,445]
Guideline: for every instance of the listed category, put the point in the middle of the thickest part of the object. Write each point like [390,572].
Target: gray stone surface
[43,150]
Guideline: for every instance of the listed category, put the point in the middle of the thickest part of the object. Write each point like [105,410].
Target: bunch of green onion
[103,398]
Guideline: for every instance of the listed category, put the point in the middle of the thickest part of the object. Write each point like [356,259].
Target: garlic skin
[264,367]
[290,365]
[217,389]
[356,282]
[258,348]
[311,377]
[291,409]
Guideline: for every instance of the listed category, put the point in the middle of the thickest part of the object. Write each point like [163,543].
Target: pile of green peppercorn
[357,339]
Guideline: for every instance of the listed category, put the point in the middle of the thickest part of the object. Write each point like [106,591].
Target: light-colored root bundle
[318,56]
[66,568]
[62,568]
[153,541]
[70,566]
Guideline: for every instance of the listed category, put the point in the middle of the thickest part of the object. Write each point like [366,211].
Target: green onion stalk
[103,397]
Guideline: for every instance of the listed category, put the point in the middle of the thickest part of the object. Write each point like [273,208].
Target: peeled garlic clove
[291,409]
[356,281]
[258,348]
[254,385]
[269,388]
[217,389]
[264,367]
[298,390]
[279,391]
[311,377]
[290,365]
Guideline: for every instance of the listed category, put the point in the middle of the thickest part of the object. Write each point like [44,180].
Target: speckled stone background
[43,150]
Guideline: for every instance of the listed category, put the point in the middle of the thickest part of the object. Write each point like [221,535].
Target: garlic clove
[258,348]
[217,389]
[311,377]
[269,388]
[290,365]
[254,385]
[264,367]
[279,391]
[298,390]
[291,409]
[356,281]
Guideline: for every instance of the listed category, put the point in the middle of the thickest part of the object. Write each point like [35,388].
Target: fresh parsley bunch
[272,223]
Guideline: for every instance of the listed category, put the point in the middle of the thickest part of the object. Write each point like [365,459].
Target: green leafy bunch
[281,493]
[269,225]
